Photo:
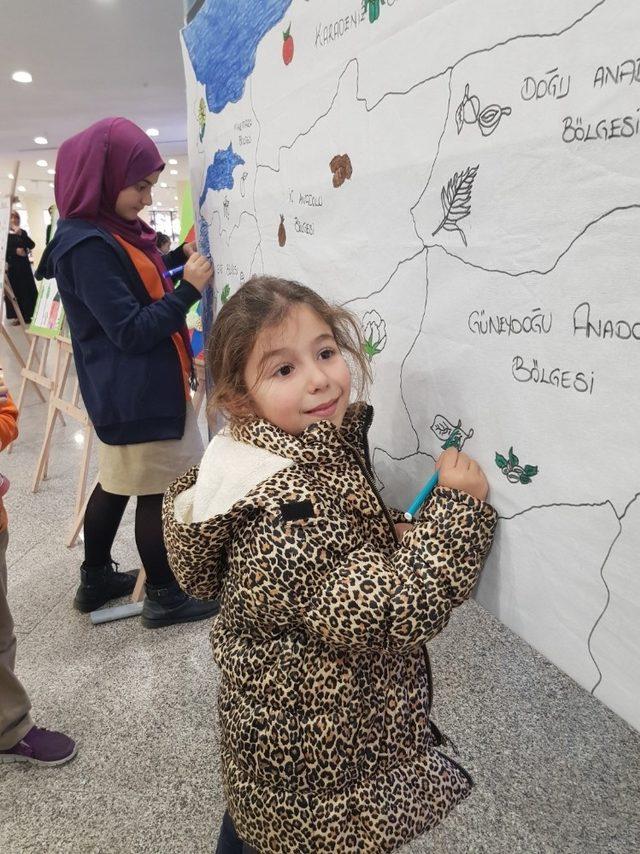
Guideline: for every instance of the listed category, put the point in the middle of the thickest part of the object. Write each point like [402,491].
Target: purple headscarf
[92,168]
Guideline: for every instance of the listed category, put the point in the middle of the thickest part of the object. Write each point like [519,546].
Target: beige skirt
[149,468]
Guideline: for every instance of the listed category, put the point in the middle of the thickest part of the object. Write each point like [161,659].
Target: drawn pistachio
[513,471]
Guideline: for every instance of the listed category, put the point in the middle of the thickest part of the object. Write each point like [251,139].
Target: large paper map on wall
[466,178]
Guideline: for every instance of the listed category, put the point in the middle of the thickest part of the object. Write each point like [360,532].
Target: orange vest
[149,274]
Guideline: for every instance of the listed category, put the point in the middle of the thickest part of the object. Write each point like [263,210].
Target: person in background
[19,244]
[20,739]
[132,354]
[163,243]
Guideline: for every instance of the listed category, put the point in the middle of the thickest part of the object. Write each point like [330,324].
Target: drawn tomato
[287,46]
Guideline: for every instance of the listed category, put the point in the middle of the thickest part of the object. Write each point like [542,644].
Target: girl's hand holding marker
[198,271]
[454,470]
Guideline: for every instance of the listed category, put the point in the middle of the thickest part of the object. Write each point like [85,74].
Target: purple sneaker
[41,747]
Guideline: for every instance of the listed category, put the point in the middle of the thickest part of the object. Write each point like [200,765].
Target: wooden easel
[7,290]
[59,405]
[35,372]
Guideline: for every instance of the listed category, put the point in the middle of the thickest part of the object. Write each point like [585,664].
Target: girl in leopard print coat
[327,601]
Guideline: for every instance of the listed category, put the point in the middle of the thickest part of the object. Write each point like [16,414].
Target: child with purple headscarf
[132,355]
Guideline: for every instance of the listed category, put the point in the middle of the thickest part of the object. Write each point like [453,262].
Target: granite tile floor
[555,771]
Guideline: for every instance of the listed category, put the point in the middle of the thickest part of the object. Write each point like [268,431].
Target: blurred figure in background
[19,244]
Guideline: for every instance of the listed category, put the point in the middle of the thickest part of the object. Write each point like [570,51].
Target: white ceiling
[89,59]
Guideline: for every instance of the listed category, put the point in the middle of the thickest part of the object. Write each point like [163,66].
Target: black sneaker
[99,584]
[165,606]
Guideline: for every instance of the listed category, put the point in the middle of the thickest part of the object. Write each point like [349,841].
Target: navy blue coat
[128,367]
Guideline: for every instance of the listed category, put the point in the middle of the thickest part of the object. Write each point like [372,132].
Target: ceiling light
[21,189]
[175,198]
[159,204]
[152,132]
[51,171]
[41,140]
[18,205]
[22,77]
[51,183]
[41,163]
[173,171]
[163,184]
[10,176]
[172,161]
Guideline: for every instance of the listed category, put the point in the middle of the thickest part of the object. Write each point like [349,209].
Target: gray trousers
[15,720]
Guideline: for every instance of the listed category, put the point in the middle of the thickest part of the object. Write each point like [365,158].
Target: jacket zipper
[365,465]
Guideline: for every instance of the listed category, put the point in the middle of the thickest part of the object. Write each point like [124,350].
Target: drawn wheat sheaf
[456,201]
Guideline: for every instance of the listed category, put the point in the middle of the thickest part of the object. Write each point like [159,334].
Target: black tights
[102,519]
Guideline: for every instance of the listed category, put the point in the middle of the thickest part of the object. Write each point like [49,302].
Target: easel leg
[138,590]
[60,380]
[23,386]
[12,346]
[14,302]
[79,519]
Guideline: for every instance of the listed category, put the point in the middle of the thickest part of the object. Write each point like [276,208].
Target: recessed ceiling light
[159,204]
[21,188]
[172,161]
[51,171]
[175,198]
[152,132]
[163,184]
[51,183]
[10,176]
[42,163]
[41,140]
[173,171]
[18,204]
[22,77]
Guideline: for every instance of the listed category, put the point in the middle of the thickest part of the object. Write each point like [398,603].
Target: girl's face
[296,374]
[15,221]
[133,199]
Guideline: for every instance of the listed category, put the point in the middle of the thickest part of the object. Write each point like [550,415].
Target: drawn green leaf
[530,471]
[500,461]
[370,348]
[513,460]
[524,479]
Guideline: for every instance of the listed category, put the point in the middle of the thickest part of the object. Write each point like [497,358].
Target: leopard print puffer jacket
[326,742]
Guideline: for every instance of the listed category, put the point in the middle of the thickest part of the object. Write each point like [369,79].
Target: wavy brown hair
[263,302]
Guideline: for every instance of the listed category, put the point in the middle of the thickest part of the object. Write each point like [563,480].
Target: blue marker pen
[174,272]
[421,497]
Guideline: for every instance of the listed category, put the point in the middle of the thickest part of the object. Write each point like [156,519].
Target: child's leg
[15,721]
[101,522]
[100,580]
[165,603]
[229,842]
